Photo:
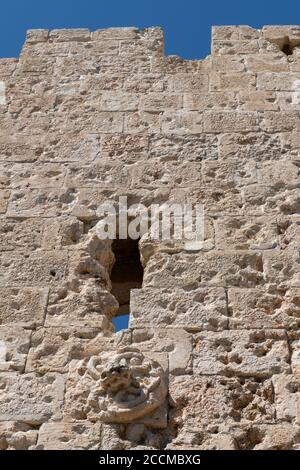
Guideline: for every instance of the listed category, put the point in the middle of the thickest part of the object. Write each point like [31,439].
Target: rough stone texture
[211,358]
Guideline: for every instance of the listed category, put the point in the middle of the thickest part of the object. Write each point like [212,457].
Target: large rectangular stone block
[31,399]
[24,306]
[202,308]
[257,308]
[244,353]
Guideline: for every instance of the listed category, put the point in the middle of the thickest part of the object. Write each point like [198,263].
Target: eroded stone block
[31,399]
[254,353]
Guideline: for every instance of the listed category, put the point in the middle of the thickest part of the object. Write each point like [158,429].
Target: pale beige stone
[17,436]
[254,353]
[23,306]
[69,436]
[14,347]
[257,308]
[203,308]
[43,397]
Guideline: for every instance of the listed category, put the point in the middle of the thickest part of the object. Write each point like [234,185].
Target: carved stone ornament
[126,386]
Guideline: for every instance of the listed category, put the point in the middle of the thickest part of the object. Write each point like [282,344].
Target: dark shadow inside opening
[127,272]
[287,49]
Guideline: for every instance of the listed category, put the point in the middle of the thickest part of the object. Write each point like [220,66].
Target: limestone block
[267,62]
[213,268]
[7,67]
[279,121]
[235,47]
[242,233]
[49,202]
[158,173]
[278,81]
[152,82]
[225,33]
[278,437]
[14,346]
[118,101]
[142,122]
[191,148]
[282,268]
[158,102]
[86,308]
[184,82]
[219,100]
[259,146]
[66,35]
[68,147]
[254,308]
[287,397]
[105,47]
[38,269]
[69,436]
[27,175]
[203,308]
[2,93]
[230,121]
[115,33]
[175,341]
[228,173]
[216,402]
[227,63]
[289,232]
[182,122]
[16,234]
[34,36]
[257,101]
[14,151]
[295,347]
[128,146]
[232,81]
[52,349]
[31,399]
[17,436]
[4,197]
[270,199]
[254,353]
[285,173]
[23,306]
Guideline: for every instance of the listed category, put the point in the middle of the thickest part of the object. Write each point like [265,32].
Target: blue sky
[187,23]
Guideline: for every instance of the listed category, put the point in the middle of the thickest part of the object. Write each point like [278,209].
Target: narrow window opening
[127,273]
[287,49]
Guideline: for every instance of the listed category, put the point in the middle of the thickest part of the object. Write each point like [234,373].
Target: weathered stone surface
[14,347]
[257,308]
[43,397]
[254,353]
[17,234]
[17,436]
[23,306]
[52,349]
[68,436]
[240,233]
[36,269]
[204,308]
[215,401]
[212,268]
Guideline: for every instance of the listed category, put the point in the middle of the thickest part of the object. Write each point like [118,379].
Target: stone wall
[213,341]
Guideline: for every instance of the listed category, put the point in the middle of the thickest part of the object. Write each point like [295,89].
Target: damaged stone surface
[211,357]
